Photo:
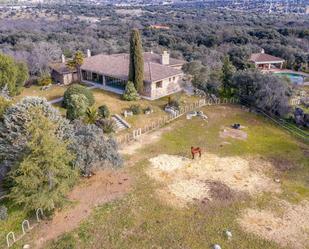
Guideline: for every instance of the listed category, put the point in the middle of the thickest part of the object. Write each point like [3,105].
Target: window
[159,84]
[174,78]
[170,79]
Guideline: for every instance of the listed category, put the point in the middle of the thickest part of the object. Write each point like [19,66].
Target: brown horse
[194,151]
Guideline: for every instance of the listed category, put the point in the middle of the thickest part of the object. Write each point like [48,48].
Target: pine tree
[130,92]
[44,175]
[228,70]
[136,65]
[77,62]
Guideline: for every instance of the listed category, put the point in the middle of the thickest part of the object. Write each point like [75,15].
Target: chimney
[165,58]
[62,58]
[88,53]
[262,51]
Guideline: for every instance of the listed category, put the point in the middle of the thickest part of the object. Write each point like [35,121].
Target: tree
[266,92]
[130,92]
[13,132]
[44,175]
[136,65]
[78,105]
[77,89]
[12,74]
[228,70]
[92,149]
[77,62]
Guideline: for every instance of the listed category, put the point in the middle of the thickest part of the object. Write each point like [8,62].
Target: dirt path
[105,186]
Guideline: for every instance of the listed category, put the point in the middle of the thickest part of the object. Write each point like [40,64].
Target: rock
[216,246]
[26,246]
[228,234]
[277,180]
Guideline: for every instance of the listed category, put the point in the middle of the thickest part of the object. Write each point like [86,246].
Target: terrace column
[104,80]
[281,65]
[269,65]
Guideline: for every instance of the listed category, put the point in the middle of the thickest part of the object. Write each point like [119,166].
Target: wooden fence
[124,139]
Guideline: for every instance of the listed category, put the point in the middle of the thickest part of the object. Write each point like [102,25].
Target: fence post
[9,236]
[25,222]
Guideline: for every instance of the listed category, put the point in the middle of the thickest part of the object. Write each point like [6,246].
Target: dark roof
[262,57]
[117,66]
[61,68]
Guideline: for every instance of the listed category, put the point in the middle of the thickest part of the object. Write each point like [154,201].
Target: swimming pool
[294,78]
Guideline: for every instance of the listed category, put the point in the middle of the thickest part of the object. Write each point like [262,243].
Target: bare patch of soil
[211,177]
[282,165]
[105,186]
[289,229]
[229,132]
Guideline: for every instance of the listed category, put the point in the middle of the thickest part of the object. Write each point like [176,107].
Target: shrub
[107,125]
[78,89]
[77,106]
[103,111]
[44,80]
[136,109]
[130,92]
[4,104]
[93,149]
[3,213]
[91,115]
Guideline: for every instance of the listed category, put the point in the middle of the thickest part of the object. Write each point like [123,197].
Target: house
[265,61]
[62,74]
[162,74]
[159,26]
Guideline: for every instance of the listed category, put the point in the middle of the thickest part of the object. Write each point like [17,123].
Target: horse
[194,151]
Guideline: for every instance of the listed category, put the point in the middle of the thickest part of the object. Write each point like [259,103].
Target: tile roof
[262,57]
[61,68]
[117,66]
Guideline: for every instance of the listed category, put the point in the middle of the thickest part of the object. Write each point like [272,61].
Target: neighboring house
[62,74]
[266,61]
[159,26]
[162,74]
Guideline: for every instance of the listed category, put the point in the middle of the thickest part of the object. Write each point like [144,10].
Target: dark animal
[196,151]
[236,126]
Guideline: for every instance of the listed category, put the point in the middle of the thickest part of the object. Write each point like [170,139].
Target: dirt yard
[104,187]
[185,181]
[289,228]
[228,132]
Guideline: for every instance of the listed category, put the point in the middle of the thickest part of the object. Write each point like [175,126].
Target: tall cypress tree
[136,66]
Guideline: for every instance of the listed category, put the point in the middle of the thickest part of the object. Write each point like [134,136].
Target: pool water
[294,78]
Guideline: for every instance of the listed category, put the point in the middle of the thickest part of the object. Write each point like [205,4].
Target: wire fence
[126,138]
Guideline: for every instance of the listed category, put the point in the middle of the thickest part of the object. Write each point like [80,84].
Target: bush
[78,89]
[103,111]
[44,80]
[107,125]
[77,106]
[4,104]
[3,213]
[136,109]
[130,92]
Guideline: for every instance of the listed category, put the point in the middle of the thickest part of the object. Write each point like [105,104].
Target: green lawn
[141,220]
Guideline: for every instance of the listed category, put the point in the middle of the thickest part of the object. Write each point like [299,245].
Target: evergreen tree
[44,176]
[13,75]
[77,62]
[130,92]
[136,66]
[228,70]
